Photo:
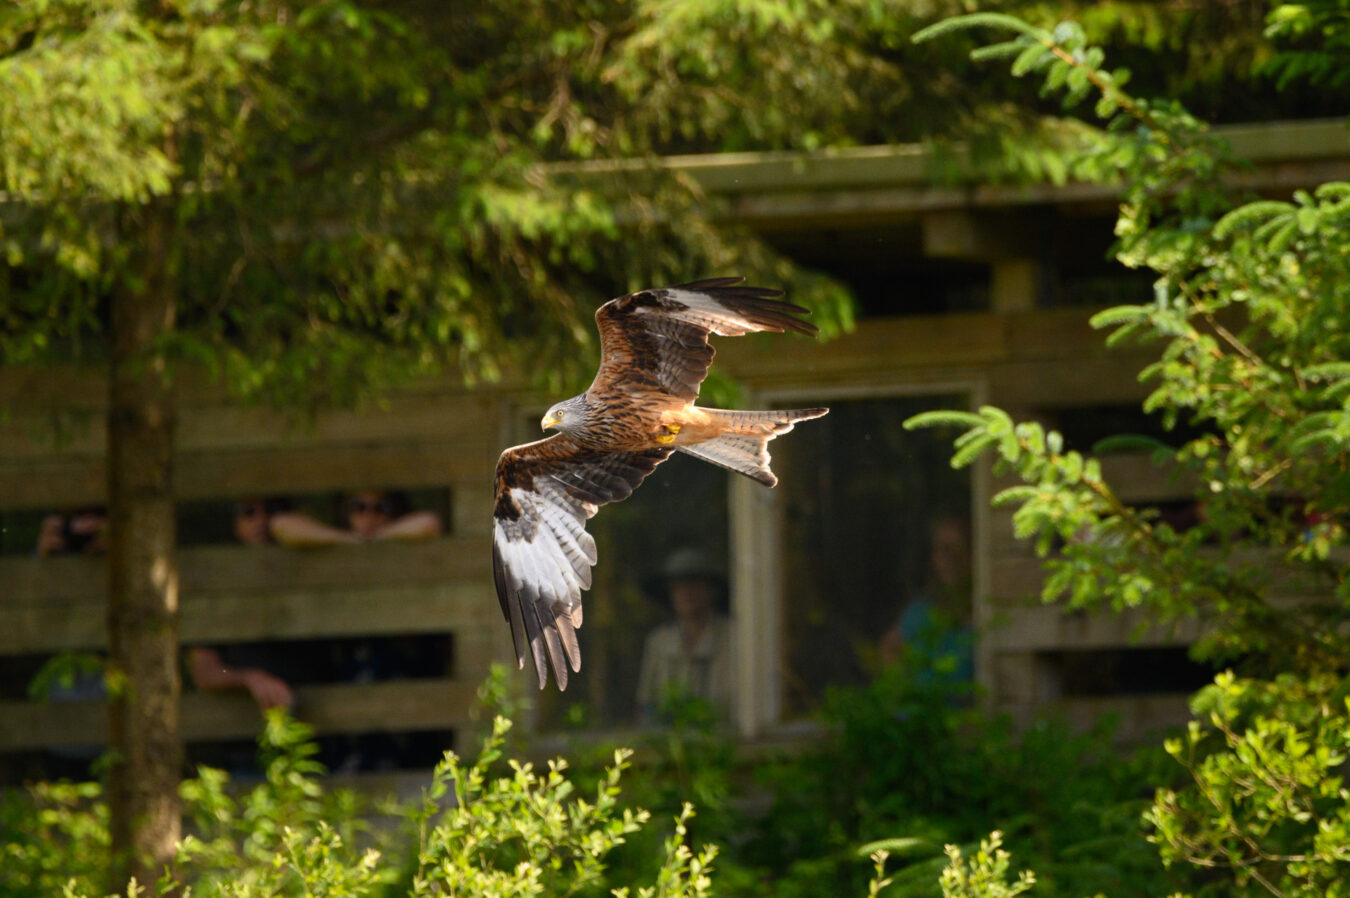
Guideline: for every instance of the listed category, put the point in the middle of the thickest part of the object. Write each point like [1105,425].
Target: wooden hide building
[967,296]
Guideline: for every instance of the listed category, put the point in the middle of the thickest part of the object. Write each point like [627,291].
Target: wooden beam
[790,190]
[34,434]
[242,569]
[393,705]
[280,614]
[66,480]
[1015,285]
[1050,628]
[981,236]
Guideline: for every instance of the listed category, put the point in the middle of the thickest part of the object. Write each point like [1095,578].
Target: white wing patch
[704,311]
[547,557]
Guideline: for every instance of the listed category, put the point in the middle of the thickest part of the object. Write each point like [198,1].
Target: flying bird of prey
[640,409]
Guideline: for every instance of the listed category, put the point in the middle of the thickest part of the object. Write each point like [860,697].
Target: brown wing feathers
[658,339]
[654,352]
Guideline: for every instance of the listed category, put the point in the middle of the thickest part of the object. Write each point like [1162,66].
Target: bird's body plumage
[638,410]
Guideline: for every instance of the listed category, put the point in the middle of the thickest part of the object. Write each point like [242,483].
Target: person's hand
[268,691]
[51,537]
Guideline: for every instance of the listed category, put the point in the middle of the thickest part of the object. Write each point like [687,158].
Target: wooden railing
[236,594]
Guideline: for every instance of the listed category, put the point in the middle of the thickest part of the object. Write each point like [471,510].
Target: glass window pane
[681,506]
[868,511]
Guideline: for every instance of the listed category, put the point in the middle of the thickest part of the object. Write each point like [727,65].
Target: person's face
[691,598]
[89,532]
[951,553]
[250,522]
[368,512]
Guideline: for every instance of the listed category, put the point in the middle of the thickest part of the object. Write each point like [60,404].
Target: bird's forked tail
[743,445]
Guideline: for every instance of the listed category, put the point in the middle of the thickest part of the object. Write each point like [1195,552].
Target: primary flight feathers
[638,410]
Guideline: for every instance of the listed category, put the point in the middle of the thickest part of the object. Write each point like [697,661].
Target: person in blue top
[938,619]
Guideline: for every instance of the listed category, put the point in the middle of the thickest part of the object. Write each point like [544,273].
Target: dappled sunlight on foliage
[1249,315]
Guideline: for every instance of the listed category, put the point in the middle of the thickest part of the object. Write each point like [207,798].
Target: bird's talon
[666,439]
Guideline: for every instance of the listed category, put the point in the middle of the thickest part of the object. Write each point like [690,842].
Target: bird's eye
[559,414]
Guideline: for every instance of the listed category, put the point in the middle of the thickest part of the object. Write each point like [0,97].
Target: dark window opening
[1127,671]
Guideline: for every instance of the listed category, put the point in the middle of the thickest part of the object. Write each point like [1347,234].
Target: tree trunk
[142,572]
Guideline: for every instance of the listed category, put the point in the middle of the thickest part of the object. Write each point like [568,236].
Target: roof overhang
[801,190]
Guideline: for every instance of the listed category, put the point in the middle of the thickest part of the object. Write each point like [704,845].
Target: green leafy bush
[1268,806]
[1250,305]
[493,827]
[985,875]
[908,765]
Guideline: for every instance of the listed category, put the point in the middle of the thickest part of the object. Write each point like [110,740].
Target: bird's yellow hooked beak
[549,421]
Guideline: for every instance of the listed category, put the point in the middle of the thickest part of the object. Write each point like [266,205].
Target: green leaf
[943,418]
[1250,215]
[977,20]
[1326,371]
[972,450]
[1131,442]
[1029,59]
[899,846]
[1119,315]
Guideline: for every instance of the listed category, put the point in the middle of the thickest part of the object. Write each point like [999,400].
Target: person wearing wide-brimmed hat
[691,655]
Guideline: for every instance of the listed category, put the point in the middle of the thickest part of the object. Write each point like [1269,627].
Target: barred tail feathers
[743,446]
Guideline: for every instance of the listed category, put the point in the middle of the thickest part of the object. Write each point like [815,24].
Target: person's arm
[292,528]
[414,525]
[210,673]
[891,646]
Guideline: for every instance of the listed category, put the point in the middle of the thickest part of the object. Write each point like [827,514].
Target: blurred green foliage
[909,758]
[356,188]
[493,827]
[802,823]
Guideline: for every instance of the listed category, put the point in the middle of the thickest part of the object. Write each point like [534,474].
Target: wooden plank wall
[428,437]
[434,435]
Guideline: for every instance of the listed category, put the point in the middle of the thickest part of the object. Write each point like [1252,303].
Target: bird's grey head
[568,416]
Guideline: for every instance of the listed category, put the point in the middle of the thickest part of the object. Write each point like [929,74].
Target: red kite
[639,409]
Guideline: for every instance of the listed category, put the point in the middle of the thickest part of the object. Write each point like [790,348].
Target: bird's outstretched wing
[541,553]
[657,340]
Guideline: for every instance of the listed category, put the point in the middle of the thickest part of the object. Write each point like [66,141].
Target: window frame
[756,550]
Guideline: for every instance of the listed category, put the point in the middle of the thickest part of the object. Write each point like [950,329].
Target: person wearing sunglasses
[372,515]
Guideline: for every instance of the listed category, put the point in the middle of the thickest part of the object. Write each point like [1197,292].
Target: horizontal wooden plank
[35,388]
[278,614]
[879,347]
[1138,717]
[1135,478]
[946,342]
[1015,578]
[472,510]
[394,705]
[214,428]
[237,569]
[205,569]
[62,481]
[1048,627]
[370,611]
[1087,380]
[796,190]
